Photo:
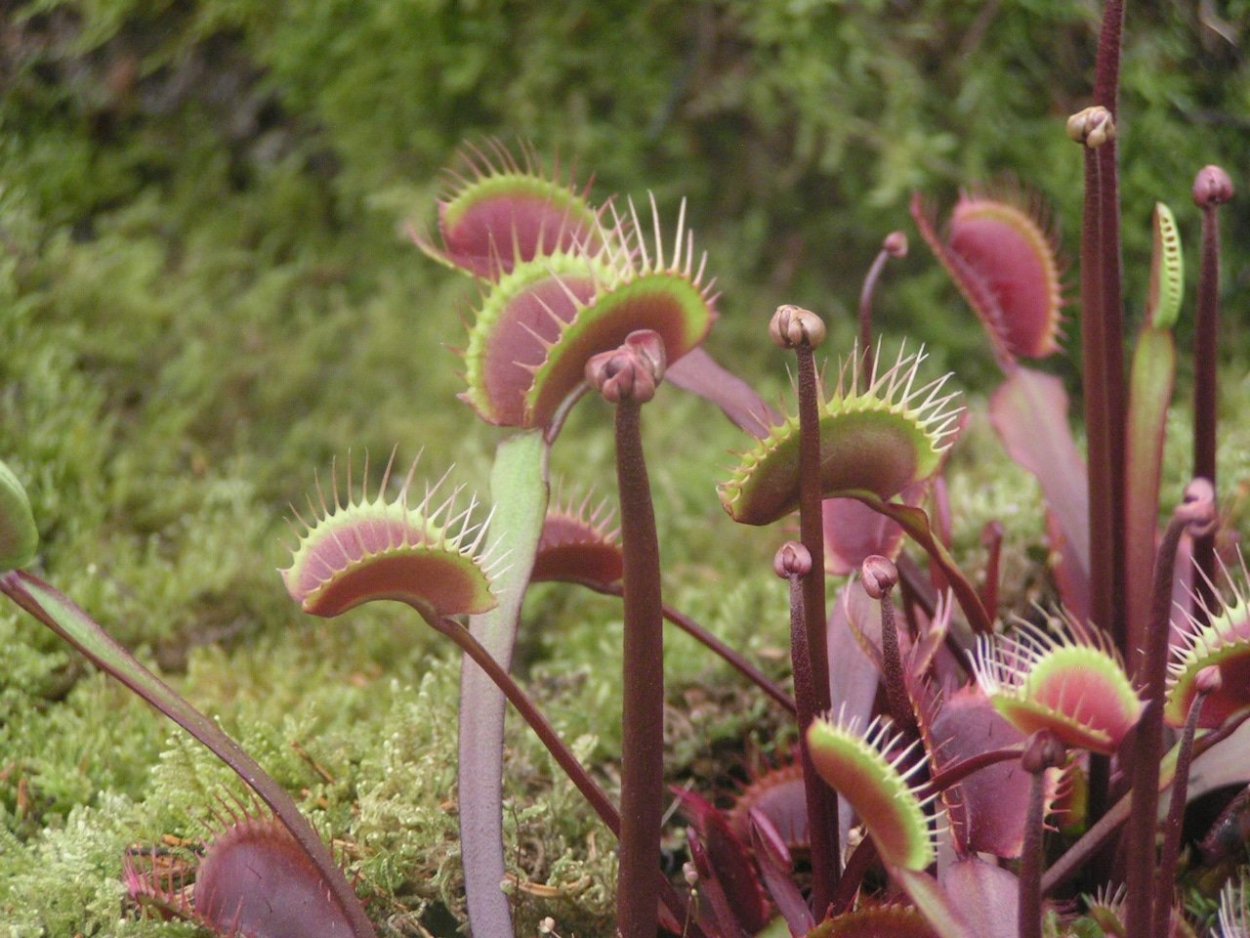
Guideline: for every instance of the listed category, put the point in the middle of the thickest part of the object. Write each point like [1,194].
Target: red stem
[961,770]
[1206,387]
[642,716]
[892,670]
[857,868]
[1097,423]
[1148,751]
[731,656]
[1029,912]
[595,796]
[865,318]
[992,538]
[1102,329]
[822,805]
[1165,885]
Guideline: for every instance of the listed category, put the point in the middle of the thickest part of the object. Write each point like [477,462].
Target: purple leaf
[985,895]
[699,373]
[1029,411]
[853,531]
[988,808]
[776,867]
[728,861]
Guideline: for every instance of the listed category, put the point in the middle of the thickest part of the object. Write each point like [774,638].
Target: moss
[204,298]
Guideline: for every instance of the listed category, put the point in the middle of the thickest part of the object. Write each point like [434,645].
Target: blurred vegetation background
[205,295]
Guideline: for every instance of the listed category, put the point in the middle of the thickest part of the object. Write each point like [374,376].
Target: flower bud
[631,372]
[19,538]
[792,559]
[792,326]
[1042,751]
[1212,186]
[1198,508]
[895,244]
[1092,127]
[880,575]
[1209,680]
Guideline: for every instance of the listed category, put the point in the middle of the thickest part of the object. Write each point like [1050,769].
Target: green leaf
[1167,271]
[19,538]
[519,488]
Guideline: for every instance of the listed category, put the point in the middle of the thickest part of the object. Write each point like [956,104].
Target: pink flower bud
[895,244]
[1198,508]
[792,559]
[1209,680]
[1212,186]
[631,372]
[880,575]
[792,326]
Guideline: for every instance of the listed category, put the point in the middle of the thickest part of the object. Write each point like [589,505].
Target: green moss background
[206,296]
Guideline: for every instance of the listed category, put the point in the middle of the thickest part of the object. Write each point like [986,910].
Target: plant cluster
[934,740]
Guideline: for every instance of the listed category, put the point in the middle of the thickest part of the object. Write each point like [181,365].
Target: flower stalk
[627,377]
[894,245]
[1212,188]
[802,331]
[1197,514]
[880,576]
[1094,128]
[1209,681]
[1044,751]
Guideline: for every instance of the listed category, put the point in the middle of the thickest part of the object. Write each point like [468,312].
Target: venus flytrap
[948,778]
[1064,678]
[1212,639]
[274,881]
[562,281]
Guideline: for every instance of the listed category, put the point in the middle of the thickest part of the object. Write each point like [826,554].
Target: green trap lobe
[667,303]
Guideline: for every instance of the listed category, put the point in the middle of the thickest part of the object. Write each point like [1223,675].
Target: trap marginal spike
[870,441]
[368,550]
[1002,255]
[1071,684]
[522,318]
[497,202]
[1221,641]
[853,764]
[637,298]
